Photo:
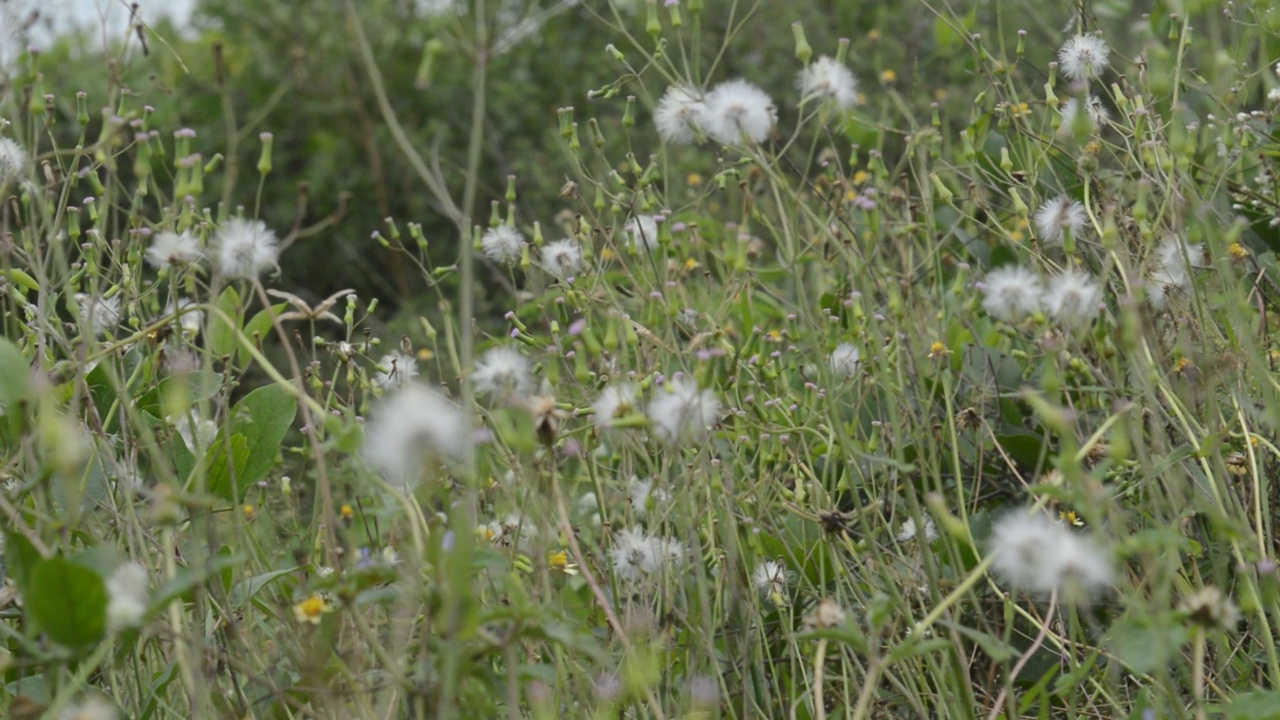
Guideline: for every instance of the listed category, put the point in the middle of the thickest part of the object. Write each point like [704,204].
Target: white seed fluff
[562,258]
[770,579]
[1057,217]
[190,321]
[409,426]
[13,161]
[908,530]
[615,401]
[1093,107]
[641,232]
[502,244]
[737,111]
[643,495]
[635,554]
[1083,57]
[1072,298]
[170,248]
[395,369]
[502,372]
[1171,274]
[1011,292]
[680,115]
[1033,552]
[101,315]
[127,596]
[828,79]
[680,411]
[844,360]
[246,248]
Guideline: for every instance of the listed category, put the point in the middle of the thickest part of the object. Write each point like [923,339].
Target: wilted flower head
[1212,609]
[502,372]
[562,258]
[844,360]
[680,114]
[828,79]
[170,248]
[127,596]
[1011,292]
[246,248]
[636,553]
[1083,57]
[502,244]
[409,426]
[615,401]
[679,411]
[1058,216]
[13,161]
[641,232]
[737,109]
[395,369]
[828,614]
[1034,552]
[1072,298]
[100,314]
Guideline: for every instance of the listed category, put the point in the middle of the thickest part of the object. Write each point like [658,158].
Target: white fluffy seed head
[502,244]
[246,249]
[680,115]
[13,161]
[679,411]
[615,401]
[411,426]
[503,373]
[770,579]
[101,315]
[641,232]
[176,249]
[636,554]
[738,111]
[1057,217]
[909,532]
[1171,273]
[1083,57]
[1094,110]
[127,596]
[828,79]
[562,259]
[844,360]
[1011,292]
[395,369]
[644,495]
[1033,552]
[1073,298]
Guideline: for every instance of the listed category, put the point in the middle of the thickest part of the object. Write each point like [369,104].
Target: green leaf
[21,279]
[1256,705]
[245,590]
[174,390]
[258,425]
[68,601]
[19,557]
[222,337]
[995,648]
[13,374]
[1146,644]
[187,578]
[258,326]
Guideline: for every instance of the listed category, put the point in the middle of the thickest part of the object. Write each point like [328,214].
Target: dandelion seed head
[1073,298]
[411,425]
[1093,107]
[13,161]
[641,232]
[246,249]
[636,554]
[679,115]
[1058,216]
[173,249]
[771,579]
[844,360]
[562,259]
[190,321]
[1083,57]
[102,315]
[643,493]
[828,79]
[127,596]
[503,372]
[502,244]
[1010,292]
[616,401]
[736,110]
[1034,552]
[908,530]
[680,411]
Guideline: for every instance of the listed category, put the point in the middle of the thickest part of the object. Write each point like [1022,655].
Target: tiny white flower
[1034,552]
[323,571]
[409,425]
[395,369]
[642,493]
[1083,57]
[770,579]
[1093,108]
[1072,298]
[679,115]
[502,244]
[679,411]
[13,161]
[502,372]
[844,360]
[738,110]
[908,530]
[641,232]
[246,248]
[102,315]
[127,596]
[1011,292]
[616,401]
[828,79]
[562,259]
[170,248]
[1057,217]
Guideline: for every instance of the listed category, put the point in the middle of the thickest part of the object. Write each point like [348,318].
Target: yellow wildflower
[346,513]
[559,560]
[425,354]
[1237,251]
[310,610]
[888,76]
[249,511]
[1069,517]
[694,179]
[938,350]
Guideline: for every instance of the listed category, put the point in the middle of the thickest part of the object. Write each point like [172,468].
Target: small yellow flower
[691,264]
[310,610]
[888,76]
[850,196]
[249,511]
[860,177]
[694,179]
[607,254]
[773,336]
[940,94]
[1069,517]
[425,354]
[560,561]
[938,350]
[1021,109]
[486,533]
[1182,365]
[346,513]
[873,35]
[1237,251]
[1237,463]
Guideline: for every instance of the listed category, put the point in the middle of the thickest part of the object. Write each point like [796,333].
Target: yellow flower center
[558,560]
[310,610]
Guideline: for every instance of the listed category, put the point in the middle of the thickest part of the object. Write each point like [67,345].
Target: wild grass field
[650,359]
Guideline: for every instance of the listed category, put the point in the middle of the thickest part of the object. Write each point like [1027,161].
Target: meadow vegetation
[645,359]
